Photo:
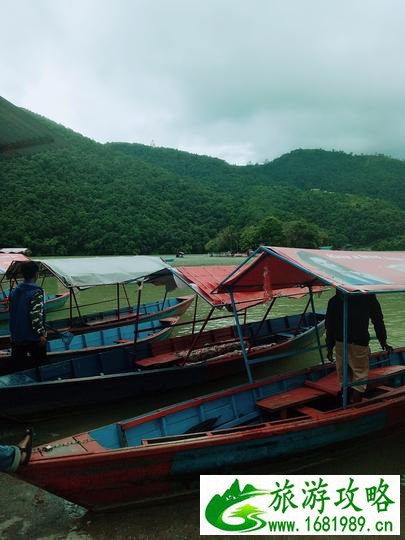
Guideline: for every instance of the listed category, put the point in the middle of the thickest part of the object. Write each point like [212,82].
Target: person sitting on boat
[361,309]
[14,457]
[27,320]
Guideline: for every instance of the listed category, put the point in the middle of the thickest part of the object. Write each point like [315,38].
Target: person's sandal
[25,447]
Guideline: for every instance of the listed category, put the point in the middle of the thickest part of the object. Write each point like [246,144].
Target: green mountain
[66,194]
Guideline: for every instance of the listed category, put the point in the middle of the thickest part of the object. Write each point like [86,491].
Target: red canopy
[277,268]
[7,258]
[204,280]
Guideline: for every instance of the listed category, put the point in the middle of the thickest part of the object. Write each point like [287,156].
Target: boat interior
[157,355]
[303,396]
[104,337]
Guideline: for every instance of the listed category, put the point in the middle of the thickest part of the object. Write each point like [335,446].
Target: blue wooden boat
[162,453]
[52,302]
[159,309]
[157,366]
[107,339]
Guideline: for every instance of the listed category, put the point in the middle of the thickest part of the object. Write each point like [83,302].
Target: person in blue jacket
[14,457]
[27,320]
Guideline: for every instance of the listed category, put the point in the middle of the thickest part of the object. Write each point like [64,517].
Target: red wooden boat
[161,454]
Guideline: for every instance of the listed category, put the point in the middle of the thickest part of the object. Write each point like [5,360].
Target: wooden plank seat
[297,396]
[331,385]
[158,360]
[386,371]
[310,411]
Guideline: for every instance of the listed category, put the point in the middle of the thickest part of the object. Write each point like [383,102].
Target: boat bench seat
[331,385]
[386,371]
[295,397]
[157,360]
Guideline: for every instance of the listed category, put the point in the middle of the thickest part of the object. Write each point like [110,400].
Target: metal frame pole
[126,296]
[345,349]
[164,299]
[118,302]
[194,342]
[240,334]
[265,317]
[318,339]
[70,306]
[194,314]
[77,305]
[138,309]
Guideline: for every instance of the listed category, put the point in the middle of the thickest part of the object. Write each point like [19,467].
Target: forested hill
[76,196]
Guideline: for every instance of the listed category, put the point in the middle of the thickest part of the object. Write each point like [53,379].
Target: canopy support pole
[265,317]
[195,340]
[241,340]
[126,295]
[164,299]
[318,339]
[118,302]
[345,349]
[70,306]
[194,314]
[138,309]
[305,310]
[76,303]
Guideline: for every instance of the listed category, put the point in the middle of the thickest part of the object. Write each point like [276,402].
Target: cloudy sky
[244,80]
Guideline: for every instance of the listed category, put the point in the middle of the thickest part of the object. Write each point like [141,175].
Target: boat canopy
[6,259]
[91,271]
[273,268]
[204,280]
[14,250]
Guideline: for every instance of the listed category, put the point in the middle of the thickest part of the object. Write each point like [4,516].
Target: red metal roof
[7,258]
[351,271]
[204,280]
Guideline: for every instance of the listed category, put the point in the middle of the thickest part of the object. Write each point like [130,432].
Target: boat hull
[81,470]
[166,326]
[30,400]
[113,318]
[53,303]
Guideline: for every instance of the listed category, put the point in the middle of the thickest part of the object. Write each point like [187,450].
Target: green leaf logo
[219,504]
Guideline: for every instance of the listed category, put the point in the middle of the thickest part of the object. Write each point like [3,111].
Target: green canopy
[92,271]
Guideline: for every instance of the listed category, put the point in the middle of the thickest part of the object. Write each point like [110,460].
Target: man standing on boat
[27,322]
[361,309]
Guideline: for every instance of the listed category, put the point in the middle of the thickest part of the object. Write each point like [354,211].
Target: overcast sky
[244,80]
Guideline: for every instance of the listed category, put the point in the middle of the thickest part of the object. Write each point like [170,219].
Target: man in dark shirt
[361,309]
[27,322]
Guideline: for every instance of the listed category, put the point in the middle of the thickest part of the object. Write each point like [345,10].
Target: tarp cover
[204,280]
[92,271]
[7,258]
[14,250]
[351,271]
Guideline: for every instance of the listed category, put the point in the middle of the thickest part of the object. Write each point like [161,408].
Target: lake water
[26,511]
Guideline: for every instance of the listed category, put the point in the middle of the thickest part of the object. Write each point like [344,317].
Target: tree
[300,233]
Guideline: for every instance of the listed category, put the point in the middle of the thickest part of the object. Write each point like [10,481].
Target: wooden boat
[52,302]
[169,307]
[157,366]
[95,341]
[162,453]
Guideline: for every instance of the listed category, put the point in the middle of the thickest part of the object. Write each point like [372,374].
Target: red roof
[7,258]
[350,271]
[204,280]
